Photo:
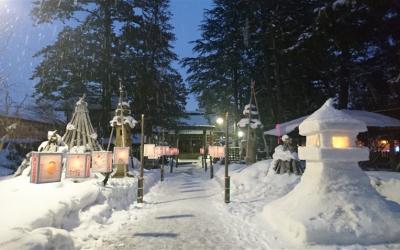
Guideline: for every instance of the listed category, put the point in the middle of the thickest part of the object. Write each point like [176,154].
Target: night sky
[23,40]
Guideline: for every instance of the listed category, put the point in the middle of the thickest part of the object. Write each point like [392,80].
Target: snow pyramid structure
[79,130]
[334,203]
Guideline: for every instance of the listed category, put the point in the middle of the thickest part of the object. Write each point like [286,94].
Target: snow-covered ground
[50,216]
[186,211]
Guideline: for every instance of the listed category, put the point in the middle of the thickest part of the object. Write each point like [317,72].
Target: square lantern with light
[102,161]
[150,151]
[121,155]
[46,167]
[77,166]
[216,151]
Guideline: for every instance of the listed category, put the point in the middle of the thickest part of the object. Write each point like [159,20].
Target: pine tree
[108,41]
[162,95]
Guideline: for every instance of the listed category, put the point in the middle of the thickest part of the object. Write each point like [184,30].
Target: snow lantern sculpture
[46,167]
[102,161]
[334,203]
[77,166]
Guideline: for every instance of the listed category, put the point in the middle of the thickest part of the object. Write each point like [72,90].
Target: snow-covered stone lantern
[331,138]
[334,203]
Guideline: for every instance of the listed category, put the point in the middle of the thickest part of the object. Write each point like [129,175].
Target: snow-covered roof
[371,120]
[194,120]
[30,114]
[329,118]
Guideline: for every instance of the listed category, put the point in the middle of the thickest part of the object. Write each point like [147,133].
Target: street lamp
[220,121]
[240,133]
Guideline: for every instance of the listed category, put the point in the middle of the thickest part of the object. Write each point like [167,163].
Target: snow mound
[334,206]
[42,216]
[386,183]
[258,181]
[44,238]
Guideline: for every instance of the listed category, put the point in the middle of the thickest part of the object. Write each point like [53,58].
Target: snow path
[186,211]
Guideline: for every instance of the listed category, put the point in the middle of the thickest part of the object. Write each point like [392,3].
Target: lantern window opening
[313,140]
[340,141]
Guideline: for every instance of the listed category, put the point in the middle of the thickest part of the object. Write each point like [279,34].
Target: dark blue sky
[23,40]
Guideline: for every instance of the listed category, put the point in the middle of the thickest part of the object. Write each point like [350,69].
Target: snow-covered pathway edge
[43,216]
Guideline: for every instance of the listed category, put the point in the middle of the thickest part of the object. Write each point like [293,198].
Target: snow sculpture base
[334,204]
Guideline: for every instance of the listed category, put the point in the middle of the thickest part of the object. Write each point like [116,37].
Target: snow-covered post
[227,177]
[334,203]
[140,178]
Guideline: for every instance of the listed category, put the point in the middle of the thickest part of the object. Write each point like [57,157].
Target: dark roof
[195,120]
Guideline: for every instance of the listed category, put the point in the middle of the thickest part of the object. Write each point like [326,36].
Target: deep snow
[186,211]
[45,216]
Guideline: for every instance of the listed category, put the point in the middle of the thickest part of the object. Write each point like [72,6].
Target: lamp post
[227,178]
[140,179]
[205,149]
[211,160]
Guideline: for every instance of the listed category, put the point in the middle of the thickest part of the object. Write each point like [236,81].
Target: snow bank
[340,200]
[257,181]
[36,216]
[386,183]
[257,186]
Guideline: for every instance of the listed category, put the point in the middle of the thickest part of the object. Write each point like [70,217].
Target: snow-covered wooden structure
[250,124]
[334,203]
[122,123]
[79,131]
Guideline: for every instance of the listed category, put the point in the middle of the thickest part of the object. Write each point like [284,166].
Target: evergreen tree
[162,95]
[299,53]
[102,45]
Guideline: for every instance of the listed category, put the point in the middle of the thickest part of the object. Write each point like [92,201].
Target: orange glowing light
[340,142]
[51,168]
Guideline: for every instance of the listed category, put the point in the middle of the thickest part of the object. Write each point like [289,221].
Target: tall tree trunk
[107,61]
[344,85]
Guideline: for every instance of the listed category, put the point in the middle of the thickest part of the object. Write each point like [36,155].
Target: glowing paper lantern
[158,151]
[102,161]
[216,151]
[167,151]
[78,166]
[121,155]
[202,151]
[149,151]
[174,151]
[46,167]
